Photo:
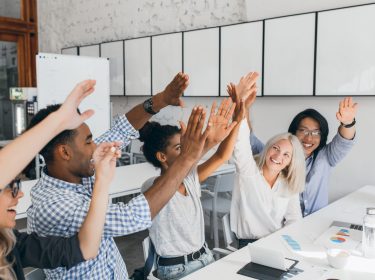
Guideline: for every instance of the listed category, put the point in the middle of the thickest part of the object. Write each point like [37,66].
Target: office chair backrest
[224,183]
[229,236]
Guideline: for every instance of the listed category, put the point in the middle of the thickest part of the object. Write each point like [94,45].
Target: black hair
[323,124]
[156,139]
[63,138]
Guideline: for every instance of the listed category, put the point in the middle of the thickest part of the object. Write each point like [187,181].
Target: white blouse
[257,209]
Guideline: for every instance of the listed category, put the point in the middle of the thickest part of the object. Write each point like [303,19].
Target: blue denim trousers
[174,272]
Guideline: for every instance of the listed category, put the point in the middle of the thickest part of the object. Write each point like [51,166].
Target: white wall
[70,23]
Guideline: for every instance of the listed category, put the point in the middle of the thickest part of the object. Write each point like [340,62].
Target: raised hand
[192,138]
[347,111]
[220,121]
[246,89]
[67,114]
[173,92]
[104,160]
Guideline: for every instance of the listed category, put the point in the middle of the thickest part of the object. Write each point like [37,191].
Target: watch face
[147,105]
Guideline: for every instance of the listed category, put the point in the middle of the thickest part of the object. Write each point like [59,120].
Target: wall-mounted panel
[241,52]
[166,59]
[138,67]
[89,51]
[201,62]
[346,52]
[70,51]
[289,56]
[114,51]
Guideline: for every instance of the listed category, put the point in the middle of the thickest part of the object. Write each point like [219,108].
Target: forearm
[17,154]
[166,185]
[347,133]
[91,231]
[137,116]
[225,149]
[249,120]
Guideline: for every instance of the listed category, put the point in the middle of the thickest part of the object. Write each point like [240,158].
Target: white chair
[146,246]
[229,238]
[218,201]
[36,274]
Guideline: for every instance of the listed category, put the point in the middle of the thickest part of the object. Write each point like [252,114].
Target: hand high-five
[220,121]
[347,111]
[67,114]
[246,89]
[173,92]
[192,138]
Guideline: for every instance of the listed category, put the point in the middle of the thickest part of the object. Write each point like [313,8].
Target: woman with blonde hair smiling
[266,190]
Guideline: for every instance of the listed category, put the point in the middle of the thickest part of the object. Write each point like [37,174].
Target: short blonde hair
[7,242]
[295,172]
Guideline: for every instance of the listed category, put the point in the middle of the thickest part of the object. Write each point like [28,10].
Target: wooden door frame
[24,31]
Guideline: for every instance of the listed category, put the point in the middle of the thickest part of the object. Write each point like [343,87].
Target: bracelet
[350,124]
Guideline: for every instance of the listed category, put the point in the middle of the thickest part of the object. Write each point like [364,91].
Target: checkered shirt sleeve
[121,131]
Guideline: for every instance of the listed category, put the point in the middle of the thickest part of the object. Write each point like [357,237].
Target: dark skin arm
[192,143]
[171,95]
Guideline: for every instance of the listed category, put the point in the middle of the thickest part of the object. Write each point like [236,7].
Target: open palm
[219,121]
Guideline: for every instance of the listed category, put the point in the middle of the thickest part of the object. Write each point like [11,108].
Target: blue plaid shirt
[59,209]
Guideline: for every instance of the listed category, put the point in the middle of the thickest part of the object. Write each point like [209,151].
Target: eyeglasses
[14,186]
[306,132]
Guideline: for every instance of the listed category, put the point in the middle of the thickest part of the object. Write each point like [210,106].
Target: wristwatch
[350,124]
[147,105]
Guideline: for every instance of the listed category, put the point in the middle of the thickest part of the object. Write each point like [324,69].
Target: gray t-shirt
[178,229]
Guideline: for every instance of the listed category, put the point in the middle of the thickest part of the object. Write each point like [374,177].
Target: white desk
[350,208]
[128,180]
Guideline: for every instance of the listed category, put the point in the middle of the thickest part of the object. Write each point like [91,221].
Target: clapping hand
[347,111]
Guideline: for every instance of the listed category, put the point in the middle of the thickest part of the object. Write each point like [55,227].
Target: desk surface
[128,180]
[350,208]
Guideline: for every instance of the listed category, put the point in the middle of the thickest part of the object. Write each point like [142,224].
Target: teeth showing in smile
[307,145]
[275,161]
[12,209]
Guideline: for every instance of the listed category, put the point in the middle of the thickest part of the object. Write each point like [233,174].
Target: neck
[62,174]
[270,176]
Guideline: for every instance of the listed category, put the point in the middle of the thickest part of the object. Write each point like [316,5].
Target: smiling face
[7,208]
[82,148]
[310,142]
[279,156]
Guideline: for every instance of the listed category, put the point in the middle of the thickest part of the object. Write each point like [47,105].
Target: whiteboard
[138,67]
[346,52]
[241,52]
[115,52]
[166,59]
[89,51]
[201,62]
[58,74]
[71,51]
[289,55]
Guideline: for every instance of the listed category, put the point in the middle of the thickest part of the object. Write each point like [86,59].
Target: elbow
[90,254]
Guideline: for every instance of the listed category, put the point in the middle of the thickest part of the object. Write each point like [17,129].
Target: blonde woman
[266,191]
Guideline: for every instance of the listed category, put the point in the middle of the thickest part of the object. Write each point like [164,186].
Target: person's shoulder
[147,184]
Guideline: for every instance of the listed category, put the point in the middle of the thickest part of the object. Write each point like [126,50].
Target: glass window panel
[10,8]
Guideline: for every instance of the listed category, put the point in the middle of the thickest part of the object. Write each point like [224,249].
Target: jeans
[174,272]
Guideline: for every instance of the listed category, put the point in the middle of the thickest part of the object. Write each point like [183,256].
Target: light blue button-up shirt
[315,194]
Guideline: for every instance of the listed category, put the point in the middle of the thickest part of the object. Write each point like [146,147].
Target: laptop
[347,225]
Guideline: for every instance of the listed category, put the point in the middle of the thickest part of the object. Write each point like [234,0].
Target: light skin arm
[225,149]
[18,153]
[192,143]
[90,234]
[346,114]
[246,89]
[171,95]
